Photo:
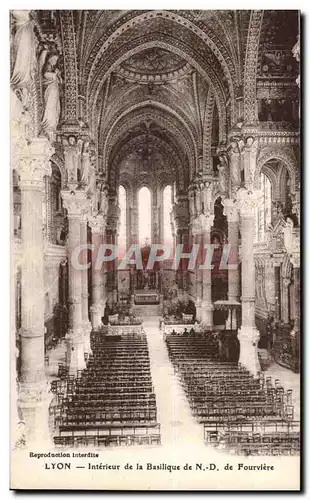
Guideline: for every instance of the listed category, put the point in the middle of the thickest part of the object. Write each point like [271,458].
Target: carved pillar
[248,334]
[295,333]
[32,166]
[286,300]
[76,203]
[115,267]
[206,304]
[179,271]
[84,277]
[198,240]
[277,280]
[103,212]
[134,233]
[292,244]
[232,214]
[97,226]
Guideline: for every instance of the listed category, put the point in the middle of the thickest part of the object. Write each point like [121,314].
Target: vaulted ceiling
[159,90]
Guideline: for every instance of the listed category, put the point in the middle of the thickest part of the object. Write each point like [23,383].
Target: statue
[207,198]
[197,198]
[223,174]
[85,166]
[104,202]
[24,53]
[21,120]
[51,82]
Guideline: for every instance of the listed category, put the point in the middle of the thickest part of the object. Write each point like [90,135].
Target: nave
[149,389]
[155,130]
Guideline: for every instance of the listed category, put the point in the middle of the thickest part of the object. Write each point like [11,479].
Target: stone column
[197,240]
[277,280]
[32,166]
[84,277]
[206,304]
[286,301]
[292,244]
[96,224]
[248,334]
[295,333]
[232,214]
[76,203]
[179,271]
[115,266]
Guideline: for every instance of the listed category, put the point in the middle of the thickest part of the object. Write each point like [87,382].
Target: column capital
[231,210]
[202,223]
[97,223]
[246,201]
[75,202]
[33,162]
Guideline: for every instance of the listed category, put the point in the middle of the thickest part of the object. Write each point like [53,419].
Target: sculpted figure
[24,53]
[104,202]
[21,120]
[51,83]
[223,174]
[85,166]
[207,197]
[197,201]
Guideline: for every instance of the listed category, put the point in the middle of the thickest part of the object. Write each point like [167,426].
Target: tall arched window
[263,214]
[122,236]
[167,207]
[144,204]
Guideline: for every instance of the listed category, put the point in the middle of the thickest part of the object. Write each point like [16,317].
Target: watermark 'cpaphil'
[158,253]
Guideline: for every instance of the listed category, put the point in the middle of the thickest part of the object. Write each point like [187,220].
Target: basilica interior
[139,128]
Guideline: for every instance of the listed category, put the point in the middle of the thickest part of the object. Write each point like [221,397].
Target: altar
[146,296]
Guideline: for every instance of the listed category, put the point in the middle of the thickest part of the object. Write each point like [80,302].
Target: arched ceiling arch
[215,40]
[207,67]
[284,155]
[138,96]
[165,162]
[175,129]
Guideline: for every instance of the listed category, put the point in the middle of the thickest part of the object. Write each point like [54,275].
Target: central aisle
[173,411]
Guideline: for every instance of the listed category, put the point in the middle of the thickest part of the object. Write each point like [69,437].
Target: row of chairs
[239,412]
[112,401]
